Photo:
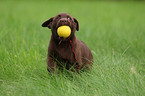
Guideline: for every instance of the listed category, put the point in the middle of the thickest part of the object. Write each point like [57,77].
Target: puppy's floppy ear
[48,23]
[77,24]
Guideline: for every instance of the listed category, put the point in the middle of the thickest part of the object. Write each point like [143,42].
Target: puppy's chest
[64,51]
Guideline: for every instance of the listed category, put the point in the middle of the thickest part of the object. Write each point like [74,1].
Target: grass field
[114,31]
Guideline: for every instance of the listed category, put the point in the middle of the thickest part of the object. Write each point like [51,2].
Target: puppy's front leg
[51,65]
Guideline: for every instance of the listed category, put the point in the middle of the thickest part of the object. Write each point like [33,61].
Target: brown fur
[60,51]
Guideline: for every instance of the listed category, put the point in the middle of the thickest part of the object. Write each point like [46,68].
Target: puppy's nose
[63,20]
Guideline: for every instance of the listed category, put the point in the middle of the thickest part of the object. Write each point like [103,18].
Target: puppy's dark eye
[58,17]
[69,18]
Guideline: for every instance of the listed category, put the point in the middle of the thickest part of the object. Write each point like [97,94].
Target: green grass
[114,31]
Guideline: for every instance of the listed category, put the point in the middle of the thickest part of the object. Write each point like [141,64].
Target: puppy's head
[60,20]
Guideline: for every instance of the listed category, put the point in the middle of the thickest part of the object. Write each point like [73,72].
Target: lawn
[114,31]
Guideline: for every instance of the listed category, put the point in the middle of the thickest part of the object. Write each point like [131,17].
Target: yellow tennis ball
[64,31]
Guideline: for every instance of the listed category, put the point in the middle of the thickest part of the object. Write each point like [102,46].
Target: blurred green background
[114,31]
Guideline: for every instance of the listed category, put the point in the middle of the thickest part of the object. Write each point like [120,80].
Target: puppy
[69,53]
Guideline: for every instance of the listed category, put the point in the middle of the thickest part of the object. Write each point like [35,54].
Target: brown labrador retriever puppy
[70,52]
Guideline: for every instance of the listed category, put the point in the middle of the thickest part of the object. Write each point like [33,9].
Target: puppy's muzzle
[63,21]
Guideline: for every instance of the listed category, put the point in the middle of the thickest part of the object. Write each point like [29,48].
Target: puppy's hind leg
[51,64]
